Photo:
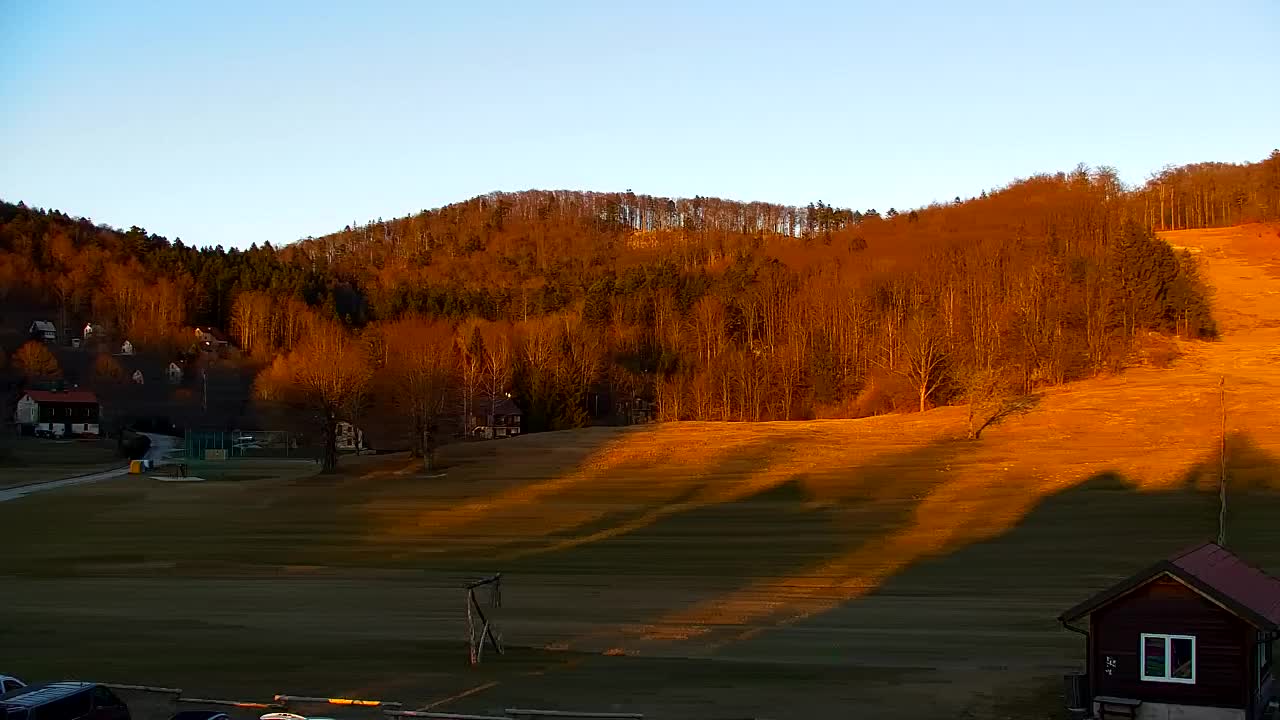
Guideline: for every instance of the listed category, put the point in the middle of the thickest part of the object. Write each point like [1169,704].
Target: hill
[753,568]
[584,306]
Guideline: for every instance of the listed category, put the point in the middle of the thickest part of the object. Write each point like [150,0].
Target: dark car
[62,701]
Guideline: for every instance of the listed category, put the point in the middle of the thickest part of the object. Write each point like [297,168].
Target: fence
[236,444]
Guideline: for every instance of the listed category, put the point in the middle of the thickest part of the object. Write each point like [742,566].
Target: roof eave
[1115,592]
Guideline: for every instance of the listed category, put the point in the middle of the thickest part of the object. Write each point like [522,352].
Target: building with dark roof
[1191,636]
[59,413]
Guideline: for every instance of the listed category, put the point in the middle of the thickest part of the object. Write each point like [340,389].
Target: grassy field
[689,570]
[32,460]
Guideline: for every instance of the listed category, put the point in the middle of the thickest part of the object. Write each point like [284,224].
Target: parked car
[63,701]
[9,683]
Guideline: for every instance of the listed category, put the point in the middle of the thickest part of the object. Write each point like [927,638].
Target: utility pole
[1222,472]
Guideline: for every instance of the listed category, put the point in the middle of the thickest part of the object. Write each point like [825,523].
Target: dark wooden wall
[1224,645]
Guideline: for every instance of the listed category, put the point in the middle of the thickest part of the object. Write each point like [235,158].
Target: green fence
[237,444]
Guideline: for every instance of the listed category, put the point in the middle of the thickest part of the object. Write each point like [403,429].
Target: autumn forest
[578,304]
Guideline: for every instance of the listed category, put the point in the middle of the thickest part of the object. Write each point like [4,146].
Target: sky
[240,122]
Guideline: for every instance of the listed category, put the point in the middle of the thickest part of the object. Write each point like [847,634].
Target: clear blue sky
[235,122]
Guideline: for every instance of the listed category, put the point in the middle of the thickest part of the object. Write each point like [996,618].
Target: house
[59,413]
[43,330]
[173,373]
[137,377]
[211,338]
[126,348]
[92,331]
[1190,637]
[496,419]
[349,437]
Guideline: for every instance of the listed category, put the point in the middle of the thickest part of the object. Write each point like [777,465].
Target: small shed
[1191,636]
[58,414]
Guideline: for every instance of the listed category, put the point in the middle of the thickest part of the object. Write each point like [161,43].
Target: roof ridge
[1193,548]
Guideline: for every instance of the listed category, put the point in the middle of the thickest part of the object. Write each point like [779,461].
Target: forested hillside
[711,309]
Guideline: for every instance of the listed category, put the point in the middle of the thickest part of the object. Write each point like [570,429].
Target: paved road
[160,446]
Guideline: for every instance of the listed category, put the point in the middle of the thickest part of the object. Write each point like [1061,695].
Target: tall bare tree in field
[327,376]
[924,357]
[496,366]
[419,372]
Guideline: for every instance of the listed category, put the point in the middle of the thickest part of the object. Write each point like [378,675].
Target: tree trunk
[429,448]
[329,462]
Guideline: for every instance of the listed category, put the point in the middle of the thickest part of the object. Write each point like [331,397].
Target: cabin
[43,330]
[59,414]
[499,418]
[210,338]
[1190,637]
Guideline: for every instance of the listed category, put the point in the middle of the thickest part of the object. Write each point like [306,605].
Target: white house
[349,437]
[126,348]
[174,373]
[137,377]
[59,414]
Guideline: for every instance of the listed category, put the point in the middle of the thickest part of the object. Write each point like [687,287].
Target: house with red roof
[59,413]
[1192,636]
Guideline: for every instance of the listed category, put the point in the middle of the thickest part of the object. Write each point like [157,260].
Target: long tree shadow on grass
[984,612]
[735,559]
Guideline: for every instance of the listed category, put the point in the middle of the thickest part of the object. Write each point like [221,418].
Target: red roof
[71,396]
[1212,571]
[1246,585]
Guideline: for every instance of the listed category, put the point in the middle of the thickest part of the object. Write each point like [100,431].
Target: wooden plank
[231,703]
[518,712]
[337,701]
[439,715]
[144,688]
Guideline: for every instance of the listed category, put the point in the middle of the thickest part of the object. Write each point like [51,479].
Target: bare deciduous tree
[327,376]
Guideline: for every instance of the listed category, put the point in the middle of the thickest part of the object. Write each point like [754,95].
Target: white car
[9,684]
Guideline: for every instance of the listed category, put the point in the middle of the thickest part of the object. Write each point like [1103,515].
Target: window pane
[1182,661]
[1153,657]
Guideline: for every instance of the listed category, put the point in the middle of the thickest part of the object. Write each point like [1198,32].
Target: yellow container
[135,467]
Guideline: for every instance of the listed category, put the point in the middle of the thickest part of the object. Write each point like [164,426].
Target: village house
[59,413]
[349,437]
[173,373]
[1190,637]
[210,338]
[503,412]
[43,330]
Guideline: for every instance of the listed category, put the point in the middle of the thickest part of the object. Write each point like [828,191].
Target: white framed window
[1168,658]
